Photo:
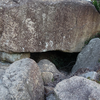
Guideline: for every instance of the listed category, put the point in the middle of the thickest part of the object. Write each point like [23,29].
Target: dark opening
[62,60]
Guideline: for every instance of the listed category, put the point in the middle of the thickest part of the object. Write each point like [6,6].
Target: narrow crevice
[62,60]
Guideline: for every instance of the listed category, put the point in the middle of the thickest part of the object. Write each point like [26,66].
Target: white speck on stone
[7,41]
[44,16]
[46,45]
[40,43]
[44,50]
[69,43]
[64,37]
[51,43]
[23,49]
[30,25]
[71,28]
[11,4]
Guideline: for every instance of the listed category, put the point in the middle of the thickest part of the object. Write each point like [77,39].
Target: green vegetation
[88,77]
[98,82]
[96,3]
[99,60]
[94,80]
[52,79]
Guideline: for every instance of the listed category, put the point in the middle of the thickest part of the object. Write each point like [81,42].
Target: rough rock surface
[3,67]
[22,81]
[77,88]
[49,93]
[12,57]
[89,57]
[51,97]
[42,25]
[48,67]
[91,75]
[47,77]
[48,90]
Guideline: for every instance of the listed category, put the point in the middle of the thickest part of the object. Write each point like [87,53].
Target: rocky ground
[27,80]
[32,29]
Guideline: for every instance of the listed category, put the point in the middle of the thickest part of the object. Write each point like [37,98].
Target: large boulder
[22,81]
[41,25]
[89,57]
[77,88]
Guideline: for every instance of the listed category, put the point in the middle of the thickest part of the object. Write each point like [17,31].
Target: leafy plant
[52,79]
[96,4]
[88,77]
[94,80]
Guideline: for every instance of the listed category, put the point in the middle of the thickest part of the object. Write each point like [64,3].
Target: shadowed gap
[62,60]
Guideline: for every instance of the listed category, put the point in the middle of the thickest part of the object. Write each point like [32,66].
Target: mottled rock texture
[41,25]
[47,66]
[77,88]
[91,75]
[50,97]
[47,77]
[12,57]
[89,57]
[22,81]
[3,67]
[50,73]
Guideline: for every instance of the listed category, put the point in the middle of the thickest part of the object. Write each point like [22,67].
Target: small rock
[12,57]
[51,97]
[90,75]
[47,77]
[46,66]
[48,90]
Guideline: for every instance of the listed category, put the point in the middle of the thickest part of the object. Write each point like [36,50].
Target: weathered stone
[3,67]
[23,81]
[12,57]
[42,25]
[51,97]
[91,75]
[47,77]
[89,57]
[77,88]
[47,66]
[3,93]
[49,93]
[48,90]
